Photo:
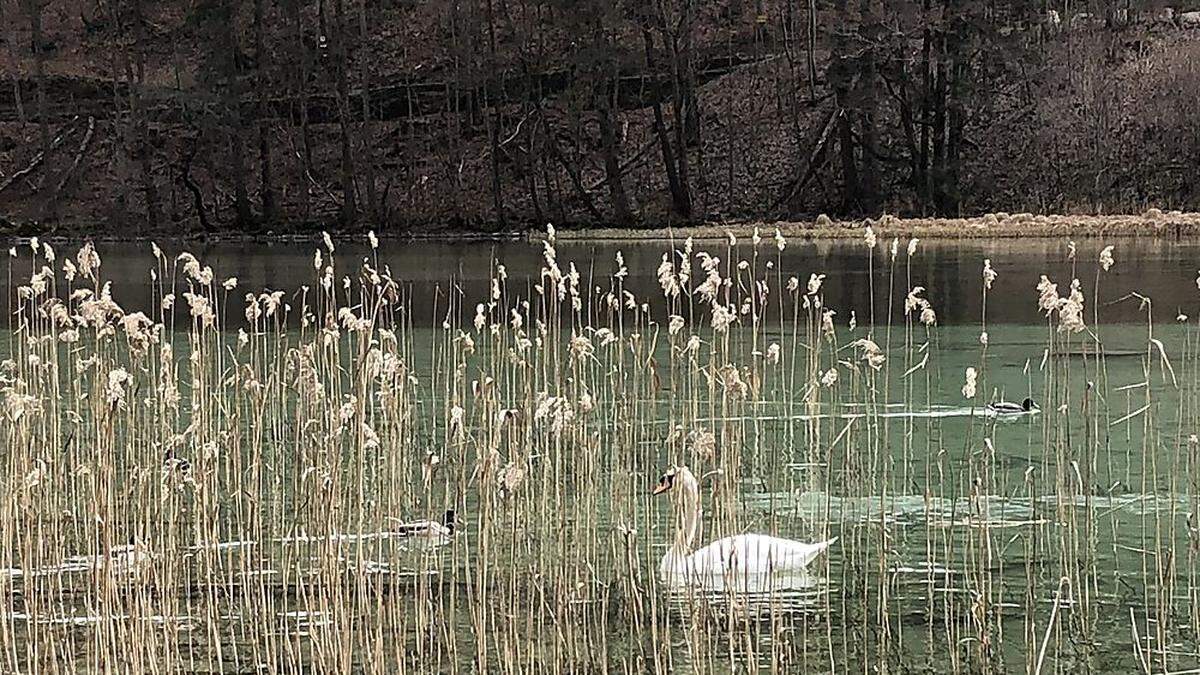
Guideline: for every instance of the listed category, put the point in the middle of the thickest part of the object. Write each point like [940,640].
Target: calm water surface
[950,271]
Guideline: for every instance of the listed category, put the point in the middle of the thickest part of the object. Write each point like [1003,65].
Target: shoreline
[1153,223]
[1173,224]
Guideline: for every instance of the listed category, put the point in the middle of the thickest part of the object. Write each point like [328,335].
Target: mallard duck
[1010,408]
[425,528]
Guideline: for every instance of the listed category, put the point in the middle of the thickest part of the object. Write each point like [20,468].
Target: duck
[728,561]
[1010,408]
[430,529]
[132,558]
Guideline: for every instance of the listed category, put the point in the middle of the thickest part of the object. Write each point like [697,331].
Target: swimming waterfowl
[131,558]
[1009,408]
[426,528]
[726,560]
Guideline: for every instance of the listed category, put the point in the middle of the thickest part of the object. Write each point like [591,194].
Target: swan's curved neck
[687,507]
[689,524]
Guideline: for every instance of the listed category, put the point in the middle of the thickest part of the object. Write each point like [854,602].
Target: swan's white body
[738,557]
[731,559]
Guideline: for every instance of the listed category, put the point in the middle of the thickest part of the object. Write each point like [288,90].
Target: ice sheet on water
[383,535]
[182,622]
[992,511]
[852,411]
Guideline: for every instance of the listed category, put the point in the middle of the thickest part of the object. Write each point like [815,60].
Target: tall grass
[215,482]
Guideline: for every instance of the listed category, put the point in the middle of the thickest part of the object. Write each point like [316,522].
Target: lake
[224,484]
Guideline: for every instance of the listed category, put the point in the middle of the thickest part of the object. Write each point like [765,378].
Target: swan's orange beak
[661,487]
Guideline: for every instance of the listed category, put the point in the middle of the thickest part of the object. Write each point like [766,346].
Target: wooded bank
[285,115]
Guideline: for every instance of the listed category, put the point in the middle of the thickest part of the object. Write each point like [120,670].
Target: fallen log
[626,165]
[811,166]
[41,156]
[83,147]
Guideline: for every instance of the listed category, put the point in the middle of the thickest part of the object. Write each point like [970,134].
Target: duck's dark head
[1028,404]
[448,520]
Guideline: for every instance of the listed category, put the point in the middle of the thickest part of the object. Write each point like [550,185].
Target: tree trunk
[908,125]
[868,89]
[851,194]
[494,126]
[680,199]
[841,79]
[237,174]
[33,12]
[368,145]
[955,121]
[185,177]
[956,58]
[303,57]
[233,124]
[812,48]
[266,191]
[10,48]
[679,108]
[606,98]
[145,151]
[938,133]
[573,175]
[924,182]
[691,104]
[612,166]
[692,101]
[349,211]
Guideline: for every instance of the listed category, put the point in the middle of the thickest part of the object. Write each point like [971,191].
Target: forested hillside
[127,116]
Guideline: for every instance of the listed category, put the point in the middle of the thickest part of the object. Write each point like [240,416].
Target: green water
[1134,491]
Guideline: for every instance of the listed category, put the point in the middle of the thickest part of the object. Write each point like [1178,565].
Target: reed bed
[220,482]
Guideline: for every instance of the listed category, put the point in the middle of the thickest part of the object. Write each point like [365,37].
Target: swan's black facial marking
[665,483]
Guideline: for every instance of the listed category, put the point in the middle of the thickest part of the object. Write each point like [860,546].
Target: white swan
[727,561]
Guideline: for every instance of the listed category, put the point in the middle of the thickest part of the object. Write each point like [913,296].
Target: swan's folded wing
[754,553]
[798,554]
